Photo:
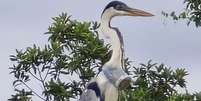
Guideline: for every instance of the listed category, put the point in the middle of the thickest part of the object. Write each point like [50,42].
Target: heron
[112,78]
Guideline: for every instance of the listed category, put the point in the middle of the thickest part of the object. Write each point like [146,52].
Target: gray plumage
[89,95]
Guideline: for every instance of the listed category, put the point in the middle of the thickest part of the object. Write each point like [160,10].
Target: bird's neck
[116,59]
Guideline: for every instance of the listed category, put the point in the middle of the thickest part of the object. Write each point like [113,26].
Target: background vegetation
[191,13]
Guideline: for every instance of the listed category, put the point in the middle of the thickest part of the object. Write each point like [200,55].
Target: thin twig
[34,76]
[42,81]
[33,91]
[47,73]
[41,78]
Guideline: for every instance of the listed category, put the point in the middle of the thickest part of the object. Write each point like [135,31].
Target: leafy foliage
[192,12]
[21,95]
[154,83]
[75,50]
[73,56]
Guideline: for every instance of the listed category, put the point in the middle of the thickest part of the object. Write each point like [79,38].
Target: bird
[105,86]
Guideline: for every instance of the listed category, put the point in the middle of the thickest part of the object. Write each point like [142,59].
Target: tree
[75,50]
[192,12]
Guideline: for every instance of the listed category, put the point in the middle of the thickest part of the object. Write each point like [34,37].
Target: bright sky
[23,23]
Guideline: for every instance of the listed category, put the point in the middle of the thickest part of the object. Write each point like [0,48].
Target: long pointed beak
[137,12]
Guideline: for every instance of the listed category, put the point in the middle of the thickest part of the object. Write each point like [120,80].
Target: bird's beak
[137,12]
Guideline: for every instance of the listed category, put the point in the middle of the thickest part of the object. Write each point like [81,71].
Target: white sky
[23,23]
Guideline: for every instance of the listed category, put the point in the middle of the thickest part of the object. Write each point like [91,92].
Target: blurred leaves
[21,95]
[154,83]
[62,91]
[192,12]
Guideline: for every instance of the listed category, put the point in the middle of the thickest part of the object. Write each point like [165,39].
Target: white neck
[116,59]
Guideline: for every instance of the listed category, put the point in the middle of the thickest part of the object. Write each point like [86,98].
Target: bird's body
[105,86]
[98,88]
[92,93]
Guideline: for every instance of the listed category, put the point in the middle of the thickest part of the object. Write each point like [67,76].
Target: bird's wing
[117,77]
[89,95]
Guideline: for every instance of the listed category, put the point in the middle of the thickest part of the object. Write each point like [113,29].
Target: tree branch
[34,76]
[33,91]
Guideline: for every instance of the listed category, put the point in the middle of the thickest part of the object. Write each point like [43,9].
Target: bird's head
[118,8]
